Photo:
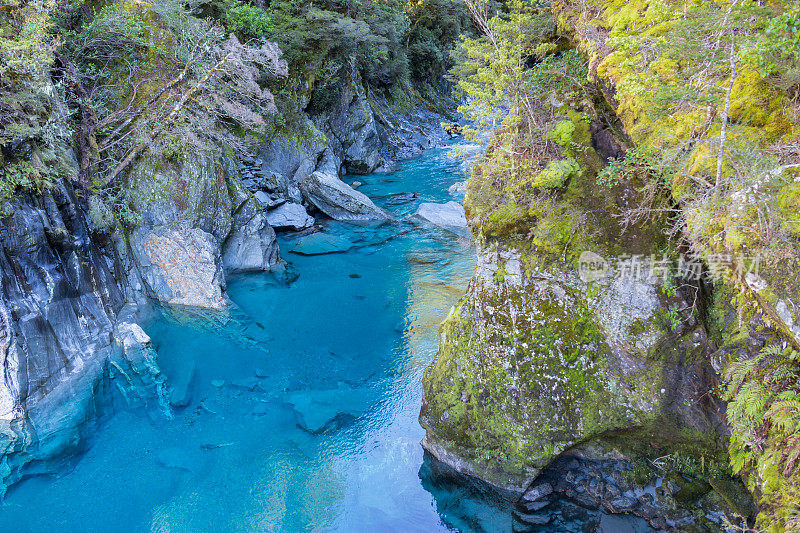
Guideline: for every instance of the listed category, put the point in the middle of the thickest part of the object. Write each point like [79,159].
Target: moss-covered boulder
[535,360]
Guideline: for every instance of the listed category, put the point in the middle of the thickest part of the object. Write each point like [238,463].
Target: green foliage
[641,164]
[556,173]
[25,43]
[436,26]
[21,175]
[493,70]
[777,52]
[764,413]
[248,22]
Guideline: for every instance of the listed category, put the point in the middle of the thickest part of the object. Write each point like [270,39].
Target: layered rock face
[62,319]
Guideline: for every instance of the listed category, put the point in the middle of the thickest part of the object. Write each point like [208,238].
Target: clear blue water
[302,414]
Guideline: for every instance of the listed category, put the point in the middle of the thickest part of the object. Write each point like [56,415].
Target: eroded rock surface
[290,216]
[180,266]
[338,200]
[62,319]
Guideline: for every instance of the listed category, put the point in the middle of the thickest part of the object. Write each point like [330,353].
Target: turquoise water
[303,403]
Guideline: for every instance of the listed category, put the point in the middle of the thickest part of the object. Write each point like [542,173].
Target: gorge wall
[76,275]
[586,369]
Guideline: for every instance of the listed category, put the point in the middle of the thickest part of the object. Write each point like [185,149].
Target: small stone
[532,507]
[218,383]
[533,519]
[537,492]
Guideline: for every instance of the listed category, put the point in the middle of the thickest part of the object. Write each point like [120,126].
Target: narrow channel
[298,410]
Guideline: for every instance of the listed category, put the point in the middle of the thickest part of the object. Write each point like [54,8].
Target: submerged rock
[321,243]
[458,188]
[183,385]
[290,216]
[174,458]
[338,200]
[401,198]
[324,411]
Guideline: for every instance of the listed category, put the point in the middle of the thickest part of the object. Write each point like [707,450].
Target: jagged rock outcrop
[197,221]
[338,200]
[62,320]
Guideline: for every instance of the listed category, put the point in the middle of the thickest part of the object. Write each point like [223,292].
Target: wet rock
[290,216]
[58,327]
[458,188]
[183,386]
[325,411]
[536,493]
[338,200]
[321,243]
[251,245]
[449,215]
[270,201]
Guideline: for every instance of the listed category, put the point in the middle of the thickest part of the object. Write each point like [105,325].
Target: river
[301,404]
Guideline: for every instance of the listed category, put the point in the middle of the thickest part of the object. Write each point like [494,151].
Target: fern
[764,413]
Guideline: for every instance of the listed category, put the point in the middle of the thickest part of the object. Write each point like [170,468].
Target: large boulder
[571,330]
[290,216]
[180,265]
[534,361]
[251,244]
[338,200]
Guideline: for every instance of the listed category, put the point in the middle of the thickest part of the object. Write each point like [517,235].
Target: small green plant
[764,413]
[248,22]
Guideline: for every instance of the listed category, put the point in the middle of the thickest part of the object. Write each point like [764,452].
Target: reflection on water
[298,411]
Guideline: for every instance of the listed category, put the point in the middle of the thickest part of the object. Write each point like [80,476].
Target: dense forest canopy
[698,102]
[195,72]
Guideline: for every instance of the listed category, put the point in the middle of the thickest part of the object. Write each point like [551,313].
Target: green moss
[788,200]
[556,173]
